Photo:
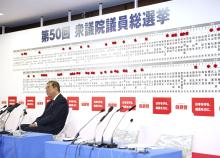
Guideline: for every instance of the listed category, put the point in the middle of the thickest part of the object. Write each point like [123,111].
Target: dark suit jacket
[54,116]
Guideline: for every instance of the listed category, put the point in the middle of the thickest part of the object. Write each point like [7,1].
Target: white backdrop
[205,129]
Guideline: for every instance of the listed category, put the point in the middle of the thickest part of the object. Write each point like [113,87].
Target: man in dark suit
[54,116]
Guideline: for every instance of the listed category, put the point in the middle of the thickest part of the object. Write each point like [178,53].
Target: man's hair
[54,84]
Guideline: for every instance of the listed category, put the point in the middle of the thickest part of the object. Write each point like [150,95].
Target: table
[55,149]
[29,145]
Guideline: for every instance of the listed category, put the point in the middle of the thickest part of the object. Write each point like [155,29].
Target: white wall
[205,130]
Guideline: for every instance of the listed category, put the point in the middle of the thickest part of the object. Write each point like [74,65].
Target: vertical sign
[161,105]
[203,106]
[73,102]
[98,103]
[12,100]
[30,102]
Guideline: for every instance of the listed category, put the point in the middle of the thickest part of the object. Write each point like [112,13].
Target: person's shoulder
[61,98]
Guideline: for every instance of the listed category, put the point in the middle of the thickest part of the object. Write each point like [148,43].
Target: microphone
[103,117]
[78,133]
[3,107]
[25,112]
[10,108]
[21,119]
[109,110]
[132,108]
[112,143]
[102,139]
[2,111]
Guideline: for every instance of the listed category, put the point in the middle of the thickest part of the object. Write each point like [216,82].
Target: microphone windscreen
[3,107]
[16,105]
[102,110]
[132,108]
[110,109]
[10,108]
[25,111]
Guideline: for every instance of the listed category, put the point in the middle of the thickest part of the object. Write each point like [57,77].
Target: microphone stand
[102,139]
[94,139]
[4,131]
[103,117]
[112,143]
[9,109]
[20,131]
[78,133]
[2,122]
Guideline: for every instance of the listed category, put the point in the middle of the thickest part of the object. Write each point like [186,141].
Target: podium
[28,145]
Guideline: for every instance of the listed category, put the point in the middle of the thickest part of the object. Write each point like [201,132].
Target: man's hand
[33,125]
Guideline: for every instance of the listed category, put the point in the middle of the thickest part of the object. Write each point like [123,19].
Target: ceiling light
[1,14]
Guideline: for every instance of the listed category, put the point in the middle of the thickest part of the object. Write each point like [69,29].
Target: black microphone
[112,143]
[132,108]
[2,111]
[102,139]
[78,133]
[103,117]
[3,107]
[10,108]
[25,112]
[109,110]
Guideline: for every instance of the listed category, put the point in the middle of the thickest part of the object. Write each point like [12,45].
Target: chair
[65,131]
[183,142]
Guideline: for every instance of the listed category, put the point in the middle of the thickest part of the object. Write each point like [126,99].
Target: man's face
[50,90]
